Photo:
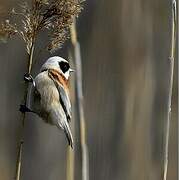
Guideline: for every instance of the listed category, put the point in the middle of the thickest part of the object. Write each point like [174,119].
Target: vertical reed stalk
[71,152]
[70,164]
[171,63]
[80,108]
[23,115]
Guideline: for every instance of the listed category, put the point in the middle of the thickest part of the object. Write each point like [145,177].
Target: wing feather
[64,97]
[59,119]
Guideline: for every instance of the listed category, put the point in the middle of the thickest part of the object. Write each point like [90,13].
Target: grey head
[59,64]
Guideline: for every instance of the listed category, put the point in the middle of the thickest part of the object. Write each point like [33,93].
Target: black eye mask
[64,66]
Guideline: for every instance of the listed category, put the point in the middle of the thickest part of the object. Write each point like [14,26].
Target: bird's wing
[64,97]
[59,119]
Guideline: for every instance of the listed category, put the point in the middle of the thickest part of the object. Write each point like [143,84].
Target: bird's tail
[67,131]
[68,134]
[59,119]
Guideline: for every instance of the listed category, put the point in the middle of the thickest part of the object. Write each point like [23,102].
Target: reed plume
[54,15]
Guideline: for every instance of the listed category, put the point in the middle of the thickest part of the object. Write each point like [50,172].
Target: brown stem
[80,108]
[70,168]
[20,148]
[171,63]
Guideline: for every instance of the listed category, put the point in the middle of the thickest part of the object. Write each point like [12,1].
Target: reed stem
[23,116]
[80,108]
[171,63]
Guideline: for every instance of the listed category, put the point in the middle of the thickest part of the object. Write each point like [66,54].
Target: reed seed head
[54,15]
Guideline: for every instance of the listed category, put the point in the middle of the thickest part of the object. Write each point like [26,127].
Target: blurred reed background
[125,47]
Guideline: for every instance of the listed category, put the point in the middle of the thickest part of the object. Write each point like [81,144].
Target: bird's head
[59,64]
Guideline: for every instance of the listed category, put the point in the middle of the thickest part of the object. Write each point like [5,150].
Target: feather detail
[62,86]
[59,78]
[58,117]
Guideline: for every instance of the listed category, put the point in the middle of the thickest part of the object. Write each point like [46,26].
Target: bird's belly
[48,96]
[45,116]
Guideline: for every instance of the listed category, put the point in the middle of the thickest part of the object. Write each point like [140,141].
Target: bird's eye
[64,66]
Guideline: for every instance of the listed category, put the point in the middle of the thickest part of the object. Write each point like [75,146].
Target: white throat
[66,75]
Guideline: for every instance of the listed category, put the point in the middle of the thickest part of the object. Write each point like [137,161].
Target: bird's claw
[23,108]
[28,78]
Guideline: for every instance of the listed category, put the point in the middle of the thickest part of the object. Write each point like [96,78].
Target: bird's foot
[28,78]
[23,108]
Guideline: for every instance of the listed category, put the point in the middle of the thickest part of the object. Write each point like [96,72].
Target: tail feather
[68,133]
[69,136]
[58,118]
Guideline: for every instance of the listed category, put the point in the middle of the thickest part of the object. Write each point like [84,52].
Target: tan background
[125,48]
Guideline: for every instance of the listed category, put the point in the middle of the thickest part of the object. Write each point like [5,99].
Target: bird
[49,94]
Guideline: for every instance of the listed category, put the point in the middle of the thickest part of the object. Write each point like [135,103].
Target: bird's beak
[72,70]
